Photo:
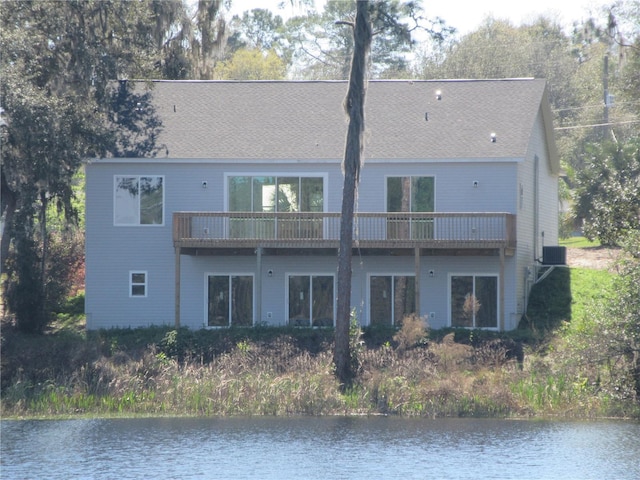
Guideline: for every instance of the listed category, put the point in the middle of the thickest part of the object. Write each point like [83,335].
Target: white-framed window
[138,284]
[310,300]
[391,298]
[287,193]
[411,194]
[138,200]
[284,193]
[473,300]
[229,300]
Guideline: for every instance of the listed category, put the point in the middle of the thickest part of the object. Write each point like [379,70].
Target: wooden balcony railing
[318,230]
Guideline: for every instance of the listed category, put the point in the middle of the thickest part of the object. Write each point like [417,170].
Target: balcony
[307,230]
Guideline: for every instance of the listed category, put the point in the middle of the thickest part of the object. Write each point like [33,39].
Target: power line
[597,125]
[598,105]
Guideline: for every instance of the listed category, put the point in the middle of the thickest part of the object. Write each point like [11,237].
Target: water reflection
[319,448]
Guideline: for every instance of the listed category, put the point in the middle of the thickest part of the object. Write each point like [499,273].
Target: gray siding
[113,251]
[453,184]
[411,131]
[530,239]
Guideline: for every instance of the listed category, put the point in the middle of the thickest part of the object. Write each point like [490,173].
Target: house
[235,222]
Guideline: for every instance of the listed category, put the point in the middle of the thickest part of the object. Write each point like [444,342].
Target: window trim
[138,176]
[206,298]
[145,284]
[287,277]
[473,275]
[393,276]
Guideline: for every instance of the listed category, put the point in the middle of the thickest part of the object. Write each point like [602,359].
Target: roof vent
[493,137]
[438,94]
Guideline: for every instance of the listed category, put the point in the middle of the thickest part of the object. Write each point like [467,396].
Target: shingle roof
[305,119]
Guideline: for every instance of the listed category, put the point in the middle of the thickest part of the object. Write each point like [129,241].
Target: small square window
[137,284]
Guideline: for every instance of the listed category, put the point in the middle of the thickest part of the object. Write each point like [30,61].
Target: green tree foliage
[203,38]
[252,65]
[323,48]
[630,75]
[60,103]
[607,60]
[59,107]
[625,310]
[500,50]
[606,343]
[256,32]
[574,67]
[24,294]
[573,71]
[608,191]
[256,29]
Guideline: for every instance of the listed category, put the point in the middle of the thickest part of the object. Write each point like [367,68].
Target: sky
[467,15]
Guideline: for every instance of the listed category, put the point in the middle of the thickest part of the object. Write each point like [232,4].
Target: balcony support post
[258,315]
[501,292]
[417,267]
[177,288]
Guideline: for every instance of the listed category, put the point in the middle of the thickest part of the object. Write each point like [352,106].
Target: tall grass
[410,372]
[266,378]
[438,379]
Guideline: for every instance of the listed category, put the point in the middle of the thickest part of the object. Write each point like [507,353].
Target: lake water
[319,448]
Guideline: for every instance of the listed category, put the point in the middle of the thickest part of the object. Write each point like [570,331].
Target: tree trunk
[354,106]
[45,252]
[9,204]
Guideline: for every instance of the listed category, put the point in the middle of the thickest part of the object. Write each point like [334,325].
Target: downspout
[501,290]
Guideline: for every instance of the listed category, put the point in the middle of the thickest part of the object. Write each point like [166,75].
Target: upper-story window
[138,200]
[276,194]
[410,194]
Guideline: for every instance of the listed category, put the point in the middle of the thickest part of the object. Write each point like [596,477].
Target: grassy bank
[271,371]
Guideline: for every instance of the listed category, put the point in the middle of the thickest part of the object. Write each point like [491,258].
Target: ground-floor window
[230,300]
[311,300]
[137,284]
[474,301]
[391,298]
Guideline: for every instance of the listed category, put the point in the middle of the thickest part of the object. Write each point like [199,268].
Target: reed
[411,375]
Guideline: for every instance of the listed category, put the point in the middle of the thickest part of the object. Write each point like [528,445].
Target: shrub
[413,332]
[34,295]
[549,302]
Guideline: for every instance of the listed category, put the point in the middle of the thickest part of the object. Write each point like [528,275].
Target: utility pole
[606,129]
